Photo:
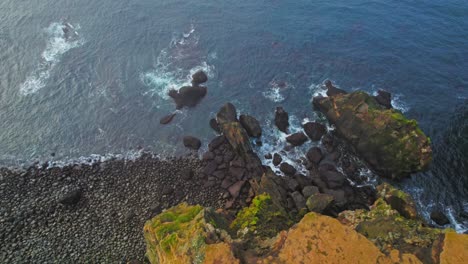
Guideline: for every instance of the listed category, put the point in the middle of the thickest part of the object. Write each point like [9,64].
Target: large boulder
[188,96]
[192,142]
[332,90]
[394,146]
[233,130]
[199,77]
[281,119]
[384,98]
[296,139]
[251,125]
[315,130]
[400,201]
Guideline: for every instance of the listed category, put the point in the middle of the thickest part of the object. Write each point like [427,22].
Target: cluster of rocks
[92,213]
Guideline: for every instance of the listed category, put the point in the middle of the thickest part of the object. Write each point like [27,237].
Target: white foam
[317,90]
[276,89]
[170,71]
[57,45]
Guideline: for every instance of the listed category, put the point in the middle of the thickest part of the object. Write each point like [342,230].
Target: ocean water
[100,88]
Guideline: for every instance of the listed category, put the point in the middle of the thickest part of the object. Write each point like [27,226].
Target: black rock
[251,125]
[332,90]
[214,125]
[167,119]
[216,142]
[287,169]
[314,155]
[71,198]
[237,173]
[315,130]
[277,159]
[210,167]
[199,77]
[333,179]
[440,218]
[192,142]
[296,139]
[281,119]
[188,96]
[298,199]
[293,185]
[268,156]
[226,114]
[384,98]
[309,191]
[208,156]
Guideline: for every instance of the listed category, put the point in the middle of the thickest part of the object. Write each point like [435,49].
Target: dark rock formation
[277,159]
[199,77]
[439,218]
[214,125]
[188,96]
[296,139]
[281,119]
[314,155]
[192,142]
[332,90]
[315,130]
[384,98]
[287,168]
[251,125]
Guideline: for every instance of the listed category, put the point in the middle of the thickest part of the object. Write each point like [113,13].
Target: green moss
[262,217]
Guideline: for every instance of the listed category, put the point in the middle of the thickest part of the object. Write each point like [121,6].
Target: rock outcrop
[394,146]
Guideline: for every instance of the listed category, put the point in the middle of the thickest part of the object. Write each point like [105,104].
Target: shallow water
[101,88]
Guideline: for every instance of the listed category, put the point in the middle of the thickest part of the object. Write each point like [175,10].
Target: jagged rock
[394,146]
[167,119]
[277,159]
[192,142]
[315,130]
[439,218]
[332,90]
[281,119]
[72,197]
[296,139]
[188,96]
[251,125]
[314,155]
[214,125]
[199,77]
[319,202]
[298,199]
[309,191]
[398,200]
[287,169]
[233,130]
[333,179]
[235,189]
[384,98]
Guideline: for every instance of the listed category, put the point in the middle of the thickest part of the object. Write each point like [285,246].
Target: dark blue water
[103,88]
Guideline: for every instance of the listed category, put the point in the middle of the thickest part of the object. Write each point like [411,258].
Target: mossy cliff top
[262,233]
[392,144]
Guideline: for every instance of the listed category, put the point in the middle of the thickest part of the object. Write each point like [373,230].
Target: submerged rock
[281,119]
[251,125]
[167,119]
[192,142]
[394,146]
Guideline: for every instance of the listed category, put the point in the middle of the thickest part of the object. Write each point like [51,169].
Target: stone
[187,174]
[210,167]
[268,156]
[314,155]
[319,202]
[199,77]
[332,90]
[315,130]
[71,198]
[400,201]
[296,139]
[277,159]
[235,189]
[287,169]
[226,114]
[392,145]
[298,199]
[281,119]
[237,173]
[208,156]
[439,218]
[167,119]
[309,191]
[216,142]
[192,142]
[293,185]
[384,98]
[188,96]
[251,125]
[214,125]
[333,179]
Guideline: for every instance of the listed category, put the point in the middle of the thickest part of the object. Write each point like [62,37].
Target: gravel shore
[93,213]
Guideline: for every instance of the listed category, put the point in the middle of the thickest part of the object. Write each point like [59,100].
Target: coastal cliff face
[282,221]
[394,146]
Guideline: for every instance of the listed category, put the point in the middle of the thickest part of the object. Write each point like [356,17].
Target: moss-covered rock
[178,235]
[262,218]
[392,144]
[398,200]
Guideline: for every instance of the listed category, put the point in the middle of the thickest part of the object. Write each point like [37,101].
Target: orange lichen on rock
[455,249]
[219,253]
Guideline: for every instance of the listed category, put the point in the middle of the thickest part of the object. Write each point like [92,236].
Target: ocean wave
[174,66]
[61,37]
[276,89]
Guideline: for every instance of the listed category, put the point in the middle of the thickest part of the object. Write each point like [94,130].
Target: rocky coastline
[224,205]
